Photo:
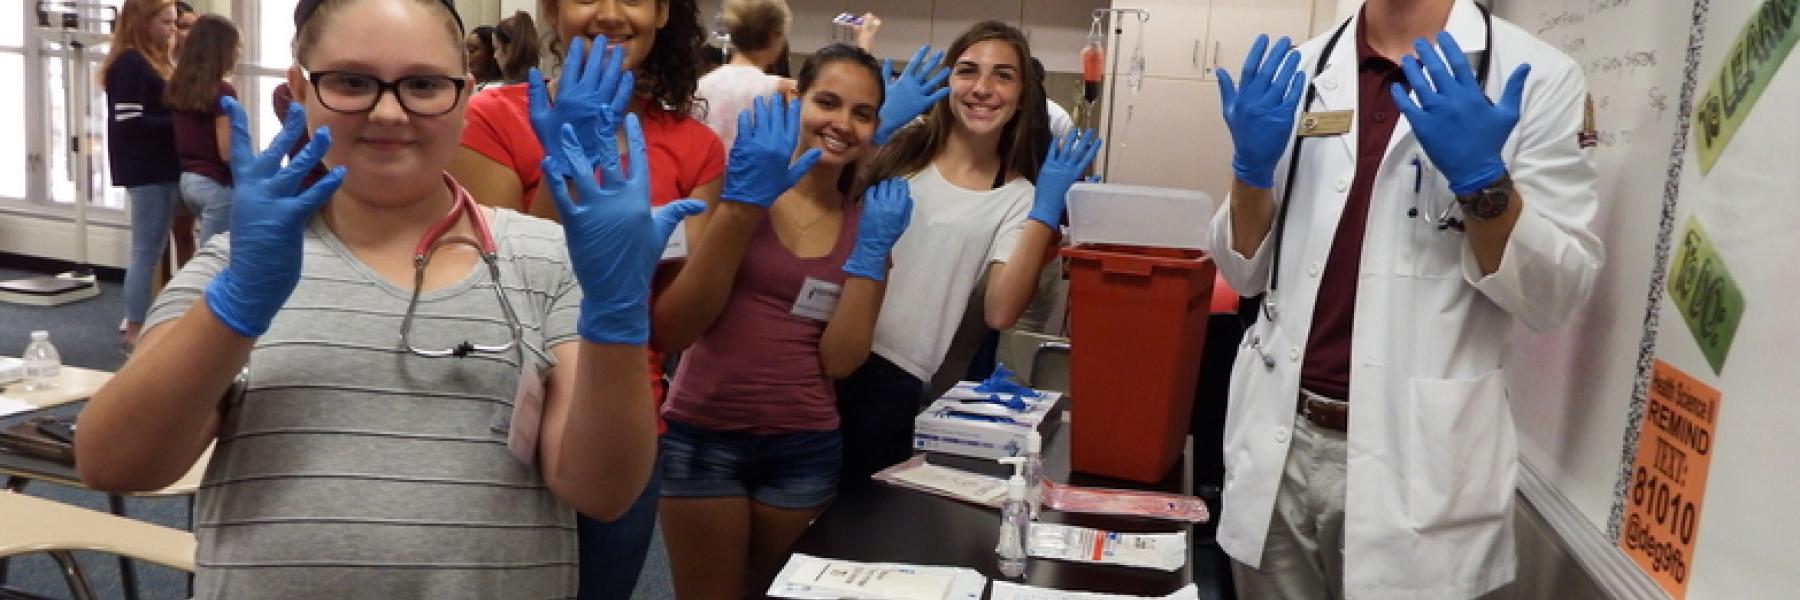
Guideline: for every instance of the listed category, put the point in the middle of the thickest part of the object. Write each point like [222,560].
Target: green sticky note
[1748,66]
[1709,299]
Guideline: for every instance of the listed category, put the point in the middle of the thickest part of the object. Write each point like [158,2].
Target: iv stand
[1118,33]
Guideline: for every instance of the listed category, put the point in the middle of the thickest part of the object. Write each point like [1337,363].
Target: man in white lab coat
[1369,446]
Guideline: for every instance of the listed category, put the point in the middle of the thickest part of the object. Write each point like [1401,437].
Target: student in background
[202,131]
[352,467]
[140,148]
[971,166]
[659,46]
[782,293]
[482,62]
[181,228]
[515,47]
[758,31]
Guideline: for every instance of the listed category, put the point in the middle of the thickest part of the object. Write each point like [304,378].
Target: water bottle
[42,364]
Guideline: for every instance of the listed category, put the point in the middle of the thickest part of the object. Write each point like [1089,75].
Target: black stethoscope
[1444,221]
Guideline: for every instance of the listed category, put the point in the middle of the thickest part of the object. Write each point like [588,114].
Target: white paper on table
[956,483]
[809,577]
[12,406]
[1006,590]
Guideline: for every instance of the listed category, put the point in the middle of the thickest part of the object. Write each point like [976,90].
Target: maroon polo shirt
[1326,370]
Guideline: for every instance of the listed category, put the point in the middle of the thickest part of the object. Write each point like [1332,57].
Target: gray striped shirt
[355,469]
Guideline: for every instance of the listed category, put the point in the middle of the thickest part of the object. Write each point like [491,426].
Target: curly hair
[670,74]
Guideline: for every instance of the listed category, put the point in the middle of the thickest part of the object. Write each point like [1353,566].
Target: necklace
[810,224]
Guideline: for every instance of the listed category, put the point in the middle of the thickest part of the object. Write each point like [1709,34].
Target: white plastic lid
[1034,442]
[40,335]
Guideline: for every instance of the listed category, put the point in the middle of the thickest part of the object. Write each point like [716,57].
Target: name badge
[527,415]
[1318,124]
[678,246]
[817,299]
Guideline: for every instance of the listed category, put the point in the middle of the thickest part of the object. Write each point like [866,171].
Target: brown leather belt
[1326,413]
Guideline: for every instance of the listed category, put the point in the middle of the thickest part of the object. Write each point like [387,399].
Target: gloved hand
[269,213]
[614,240]
[1457,126]
[758,171]
[886,210]
[912,94]
[1260,115]
[1063,166]
[1000,382]
[593,95]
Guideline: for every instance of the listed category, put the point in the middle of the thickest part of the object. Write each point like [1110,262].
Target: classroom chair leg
[78,584]
[127,568]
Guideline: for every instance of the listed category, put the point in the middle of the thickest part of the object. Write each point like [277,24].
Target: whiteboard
[1577,393]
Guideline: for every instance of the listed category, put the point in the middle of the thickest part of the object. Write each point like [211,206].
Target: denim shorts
[796,470]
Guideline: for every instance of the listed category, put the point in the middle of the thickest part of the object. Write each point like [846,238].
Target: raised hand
[614,239]
[761,166]
[1460,130]
[593,95]
[912,94]
[269,213]
[1063,166]
[1260,114]
[886,211]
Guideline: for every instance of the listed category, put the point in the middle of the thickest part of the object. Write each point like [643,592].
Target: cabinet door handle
[1215,58]
[1196,59]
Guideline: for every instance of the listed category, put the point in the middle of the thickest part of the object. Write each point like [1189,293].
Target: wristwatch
[1488,202]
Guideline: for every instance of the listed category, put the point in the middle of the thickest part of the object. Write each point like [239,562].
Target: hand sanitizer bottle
[1013,518]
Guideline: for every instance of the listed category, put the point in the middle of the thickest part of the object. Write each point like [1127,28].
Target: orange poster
[1668,479]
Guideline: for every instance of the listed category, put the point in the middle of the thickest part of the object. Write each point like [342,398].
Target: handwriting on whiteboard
[1576,13]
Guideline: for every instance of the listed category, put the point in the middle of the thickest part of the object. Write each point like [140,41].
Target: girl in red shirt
[499,160]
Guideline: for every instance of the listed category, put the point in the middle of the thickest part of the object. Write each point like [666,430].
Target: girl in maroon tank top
[778,298]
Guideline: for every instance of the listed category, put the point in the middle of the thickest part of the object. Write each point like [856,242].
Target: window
[15,171]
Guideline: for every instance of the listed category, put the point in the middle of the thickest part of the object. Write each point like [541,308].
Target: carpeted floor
[86,335]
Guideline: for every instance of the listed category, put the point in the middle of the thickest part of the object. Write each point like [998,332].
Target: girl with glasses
[350,466]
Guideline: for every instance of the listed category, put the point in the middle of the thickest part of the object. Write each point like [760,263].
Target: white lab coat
[1432,456]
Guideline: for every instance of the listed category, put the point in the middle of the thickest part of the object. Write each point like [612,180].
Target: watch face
[1489,203]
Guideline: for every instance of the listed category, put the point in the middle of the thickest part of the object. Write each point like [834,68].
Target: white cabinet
[1057,30]
[1169,134]
[950,18]
[811,29]
[1236,23]
[1174,38]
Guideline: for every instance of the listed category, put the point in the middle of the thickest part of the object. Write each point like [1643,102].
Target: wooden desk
[76,384]
[72,384]
[29,525]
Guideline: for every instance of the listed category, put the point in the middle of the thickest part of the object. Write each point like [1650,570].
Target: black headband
[306,8]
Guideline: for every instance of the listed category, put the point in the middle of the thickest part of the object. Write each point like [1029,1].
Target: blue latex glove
[1063,166]
[886,211]
[593,95]
[1000,382]
[761,165]
[1261,113]
[269,213]
[912,94]
[614,239]
[1457,126]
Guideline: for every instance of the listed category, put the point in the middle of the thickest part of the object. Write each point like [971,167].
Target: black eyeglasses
[419,95]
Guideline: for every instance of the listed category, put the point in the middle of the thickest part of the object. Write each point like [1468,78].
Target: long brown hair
[1023,141]
[132,32]
[520,36]
[209,54]
[671,72]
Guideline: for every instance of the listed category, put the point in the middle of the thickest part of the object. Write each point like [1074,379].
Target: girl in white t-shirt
[988,189]
[758,31]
